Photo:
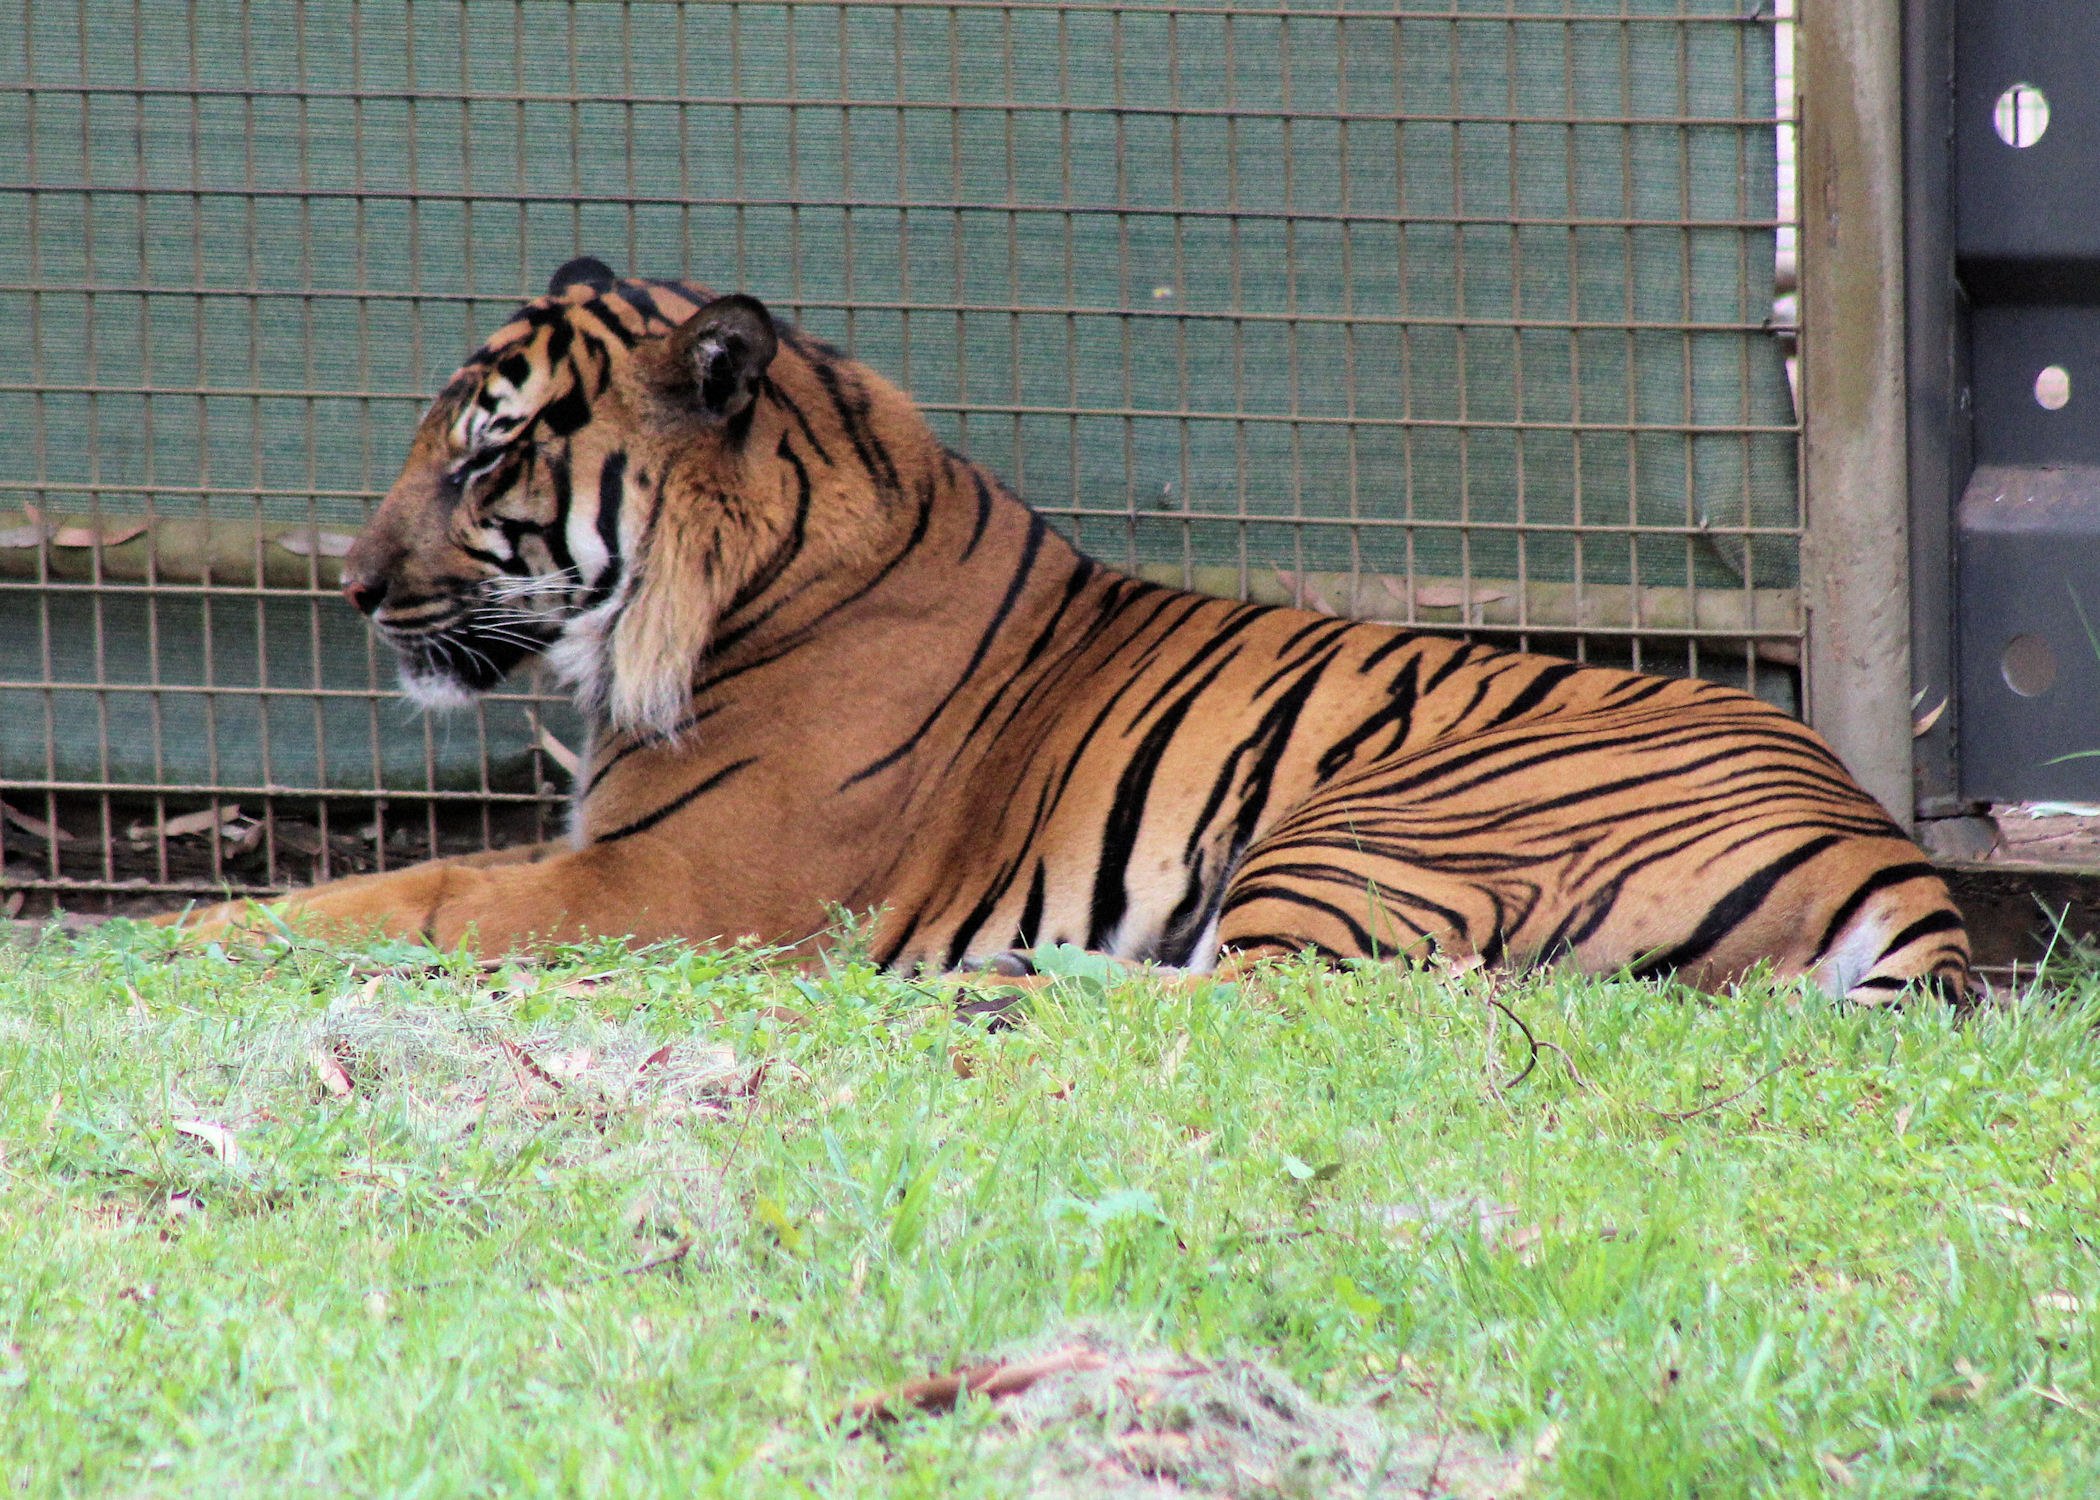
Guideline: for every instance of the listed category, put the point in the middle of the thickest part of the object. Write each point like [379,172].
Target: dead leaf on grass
[524,1066]
[1838,1469]
[2009,1214]
[2054,1395]
[1972,1384]
[217,1139]
[2060,1301]
[1420,1220]
[941,1392]
[335,1078]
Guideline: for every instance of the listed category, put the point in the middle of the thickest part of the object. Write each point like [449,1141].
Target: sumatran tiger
[831,663]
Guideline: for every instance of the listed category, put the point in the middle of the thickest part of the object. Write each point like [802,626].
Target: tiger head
[601,484]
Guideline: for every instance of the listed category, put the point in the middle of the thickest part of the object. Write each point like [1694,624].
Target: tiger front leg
[498,903]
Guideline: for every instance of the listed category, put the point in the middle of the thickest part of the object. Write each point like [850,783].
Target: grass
[1755,1245]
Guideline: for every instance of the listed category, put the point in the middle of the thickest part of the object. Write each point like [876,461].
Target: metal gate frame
[1857,561]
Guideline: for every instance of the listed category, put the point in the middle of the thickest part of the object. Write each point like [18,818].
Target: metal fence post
[1856,562]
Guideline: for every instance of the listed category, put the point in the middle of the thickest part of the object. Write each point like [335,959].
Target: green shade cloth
[1472,290]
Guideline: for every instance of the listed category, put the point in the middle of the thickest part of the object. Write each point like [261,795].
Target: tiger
[829,664]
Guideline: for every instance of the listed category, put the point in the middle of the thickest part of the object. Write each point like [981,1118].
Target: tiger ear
[715,361]
[585,270]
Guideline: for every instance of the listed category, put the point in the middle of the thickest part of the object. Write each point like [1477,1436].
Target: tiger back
[830,663]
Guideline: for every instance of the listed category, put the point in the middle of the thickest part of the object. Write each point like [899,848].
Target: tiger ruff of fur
[832,663]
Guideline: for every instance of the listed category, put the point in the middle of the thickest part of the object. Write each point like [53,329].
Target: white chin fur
[437,694]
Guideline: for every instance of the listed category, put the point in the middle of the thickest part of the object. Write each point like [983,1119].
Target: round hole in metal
[2028,665]
[2021,116]
[2052,388]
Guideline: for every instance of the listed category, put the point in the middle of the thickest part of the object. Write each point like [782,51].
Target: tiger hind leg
[1853,908]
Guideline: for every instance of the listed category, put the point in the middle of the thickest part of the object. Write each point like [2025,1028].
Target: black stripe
[1398,713]
[566,412]
[1880,880]
[1535,692]
[649,742]
[874,456]
[612,491]
[790,546]
[1401,639]
[1939,921]
[1729,913]
[1031,911]
[637,297]
[1036,528]
[1119,837]
[650,820]
[984,513]
[809,434]
[1291,896]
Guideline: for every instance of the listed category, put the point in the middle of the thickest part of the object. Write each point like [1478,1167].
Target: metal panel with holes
[2005,259]
[1452,313]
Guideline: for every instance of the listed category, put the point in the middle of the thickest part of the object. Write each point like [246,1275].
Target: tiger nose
[364,593]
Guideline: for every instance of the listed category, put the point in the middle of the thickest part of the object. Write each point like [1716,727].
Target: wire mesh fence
[1453,314]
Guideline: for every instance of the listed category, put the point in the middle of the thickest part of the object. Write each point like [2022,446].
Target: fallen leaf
[715,1057]
[961,1062]
[941,1392]
[1453,596]
[2054,1395]
[334,1077]
[784,1015]
[309,542]
[210,820]
[1973,1383]
[89,536]
[1839,1471]
[521,1061]
[137,1008]
[1417,1219]
[2009,1215]
[36,828]
[1903,1118]
[2060,1301]
[657,1058]
[570,1065]
[1924,723]
[1303,594]
[216,1138]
